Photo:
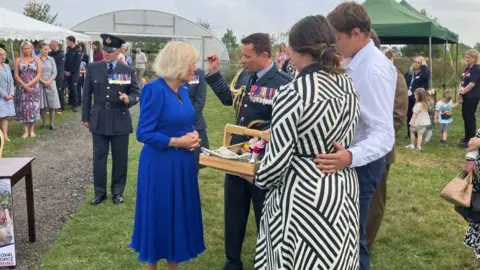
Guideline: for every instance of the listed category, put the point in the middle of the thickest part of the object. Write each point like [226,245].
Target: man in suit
[114,88]
[379,197]
[260,75]
[198,96]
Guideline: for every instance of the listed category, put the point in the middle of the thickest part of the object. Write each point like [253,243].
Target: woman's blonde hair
[174,59]
[474,54]
[25,43]
[3,52]
[417,59]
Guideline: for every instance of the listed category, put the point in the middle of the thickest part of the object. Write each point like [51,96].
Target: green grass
[15,132]
[420,230]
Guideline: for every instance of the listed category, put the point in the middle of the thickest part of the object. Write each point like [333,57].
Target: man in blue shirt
[375,78]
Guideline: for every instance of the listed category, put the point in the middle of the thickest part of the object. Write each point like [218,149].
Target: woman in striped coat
[310,220]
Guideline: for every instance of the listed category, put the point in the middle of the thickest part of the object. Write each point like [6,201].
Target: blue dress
[168,217]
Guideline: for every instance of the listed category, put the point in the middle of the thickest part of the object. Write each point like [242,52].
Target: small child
[420,119]
[431,113]
[443,115]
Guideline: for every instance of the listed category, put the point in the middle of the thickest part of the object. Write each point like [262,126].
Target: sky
[248,16]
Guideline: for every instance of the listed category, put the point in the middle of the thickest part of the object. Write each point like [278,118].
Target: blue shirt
[114,63]
[128,59]
[262,72]
[444,112]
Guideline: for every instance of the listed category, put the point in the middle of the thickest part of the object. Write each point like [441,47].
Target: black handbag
[472,213]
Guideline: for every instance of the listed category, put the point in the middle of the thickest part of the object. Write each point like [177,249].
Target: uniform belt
[109,105]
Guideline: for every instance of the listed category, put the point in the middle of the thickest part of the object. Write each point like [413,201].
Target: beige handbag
[459,190]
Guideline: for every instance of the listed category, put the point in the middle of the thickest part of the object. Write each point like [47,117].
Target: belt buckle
[107,105]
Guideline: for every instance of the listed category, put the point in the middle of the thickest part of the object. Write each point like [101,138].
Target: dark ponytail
[315,36]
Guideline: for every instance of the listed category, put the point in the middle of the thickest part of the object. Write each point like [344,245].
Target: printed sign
[7,243]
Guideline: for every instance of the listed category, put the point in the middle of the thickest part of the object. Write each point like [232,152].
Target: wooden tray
[232,166]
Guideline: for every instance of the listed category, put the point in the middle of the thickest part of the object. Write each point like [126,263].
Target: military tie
[110,68]
[254,79]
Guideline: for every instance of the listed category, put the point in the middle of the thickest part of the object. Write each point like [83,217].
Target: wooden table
[15,169]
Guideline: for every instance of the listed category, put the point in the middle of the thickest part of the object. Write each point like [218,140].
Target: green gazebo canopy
[400,23]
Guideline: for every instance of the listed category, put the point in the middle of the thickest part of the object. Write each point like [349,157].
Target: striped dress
[310,220]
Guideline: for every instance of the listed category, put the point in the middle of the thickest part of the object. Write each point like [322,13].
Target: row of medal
[261,94]
[195,80]
[119,79]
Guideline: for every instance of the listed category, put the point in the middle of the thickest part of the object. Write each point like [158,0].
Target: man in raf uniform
[251,94]
[114,88]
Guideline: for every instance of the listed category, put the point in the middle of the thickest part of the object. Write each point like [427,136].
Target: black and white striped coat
[310,220]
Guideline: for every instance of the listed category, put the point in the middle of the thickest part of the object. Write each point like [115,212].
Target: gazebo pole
[456,73]
[445,66]
[13,51]
[431,62]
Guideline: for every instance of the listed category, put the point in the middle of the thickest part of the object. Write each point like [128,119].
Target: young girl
[443,115]
[420,119]
[431,113]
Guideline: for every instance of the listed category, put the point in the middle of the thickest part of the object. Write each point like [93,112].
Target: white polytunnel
[142,25]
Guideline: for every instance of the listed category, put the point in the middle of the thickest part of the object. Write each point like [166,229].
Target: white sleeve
[376,108]
[438,106]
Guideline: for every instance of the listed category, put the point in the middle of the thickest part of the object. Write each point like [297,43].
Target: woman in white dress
[7,90]
[48,86]
[310,220]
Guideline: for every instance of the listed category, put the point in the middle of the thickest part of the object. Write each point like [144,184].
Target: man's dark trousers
[239,193]
[73,97]
[368,178]
[101,147]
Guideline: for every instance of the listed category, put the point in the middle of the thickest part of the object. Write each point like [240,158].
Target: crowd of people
[311,195]
[44,77]
[331,100]
[320,192]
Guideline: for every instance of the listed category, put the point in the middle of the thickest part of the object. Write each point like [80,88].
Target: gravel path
[62,172]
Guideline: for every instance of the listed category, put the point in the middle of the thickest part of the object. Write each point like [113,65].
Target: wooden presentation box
[233,166]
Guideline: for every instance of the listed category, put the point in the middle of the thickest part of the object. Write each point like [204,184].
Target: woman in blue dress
[168,218]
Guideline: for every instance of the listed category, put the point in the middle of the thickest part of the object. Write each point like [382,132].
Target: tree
[462,48]
[273,39]
[152,46]
[422,50]
[230,40]
[477,46]
[205,24]
[278,38]
[40,11]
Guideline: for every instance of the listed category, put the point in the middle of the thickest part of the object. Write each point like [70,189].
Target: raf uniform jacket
[108,115]
[198,96]
[400,108]
[249,110]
